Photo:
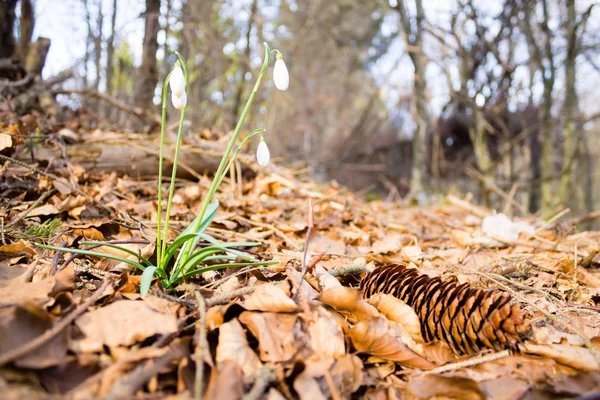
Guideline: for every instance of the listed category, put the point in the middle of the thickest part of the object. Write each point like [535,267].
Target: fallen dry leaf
[433,385]
[121,323]
[233,346]
[5,141]
[412,254]
[350,300]
[270,298]
[34,292]
[378,338]
[326,336]
[398,311]
[275,334]
[579,358]
[391,243]
[326,280]
[226,382]
[22,324]
[347,374]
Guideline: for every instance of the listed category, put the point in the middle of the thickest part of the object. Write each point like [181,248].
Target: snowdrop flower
[263,156]
[177,81]
[281,77]
[180,101]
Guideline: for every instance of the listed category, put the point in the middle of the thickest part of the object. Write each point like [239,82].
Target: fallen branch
[137,111]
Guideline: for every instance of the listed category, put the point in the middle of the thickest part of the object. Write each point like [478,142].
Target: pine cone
[465,318]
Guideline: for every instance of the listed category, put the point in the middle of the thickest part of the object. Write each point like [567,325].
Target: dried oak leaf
[233,346]
[270,298]
[121,323]
[378,337]
[275,334]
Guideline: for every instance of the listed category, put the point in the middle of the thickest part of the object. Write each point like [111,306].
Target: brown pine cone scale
[467,319]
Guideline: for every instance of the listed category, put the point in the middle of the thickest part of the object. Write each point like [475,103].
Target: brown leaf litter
[76,327]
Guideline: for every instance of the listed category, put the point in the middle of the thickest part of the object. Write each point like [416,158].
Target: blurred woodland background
[388,97]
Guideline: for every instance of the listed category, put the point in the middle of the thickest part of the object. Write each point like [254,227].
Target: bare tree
[147,72]
[244,64]
[7,23]
[542,60]
[574,32]
[110,53]
[412,29]
[27,23]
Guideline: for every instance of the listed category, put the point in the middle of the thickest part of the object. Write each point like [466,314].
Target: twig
[35,204]
[311,225]
[51,333]
[201,346]
[264,377]
[468,363]
[291,242]
[128,384]
[351,269]
[213,301]
[137,111]
[589,258]
[335,395]
[548,315]
[55,259]
[225,297]
[58,179]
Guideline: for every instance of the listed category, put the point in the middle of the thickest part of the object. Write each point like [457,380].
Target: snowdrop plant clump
[188,260]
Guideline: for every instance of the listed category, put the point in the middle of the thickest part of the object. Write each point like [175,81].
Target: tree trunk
[26,29]
[98,45]
[147,73]
[7,24]
[549,73]
[244,65]
[110,56]
[570,131]
[413,37]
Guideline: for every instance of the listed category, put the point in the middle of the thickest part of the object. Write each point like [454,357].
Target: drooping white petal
[263,156]
[180,101]
[281,77]
[177,81]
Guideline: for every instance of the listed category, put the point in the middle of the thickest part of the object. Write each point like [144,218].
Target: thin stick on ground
[34,205]
[469,363]
[55,178]
[201,346]
[51,333]
[264,377]
[311,225]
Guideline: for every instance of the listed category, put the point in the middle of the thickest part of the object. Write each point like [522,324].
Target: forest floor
[77,327]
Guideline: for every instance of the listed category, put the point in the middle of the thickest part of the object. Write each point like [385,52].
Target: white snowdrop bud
[263,156]
[179,102]
[177,80]
[281,77]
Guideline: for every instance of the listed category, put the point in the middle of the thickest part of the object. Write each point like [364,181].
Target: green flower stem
[232,159]
[160,171]
[224,161]
[172,185]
